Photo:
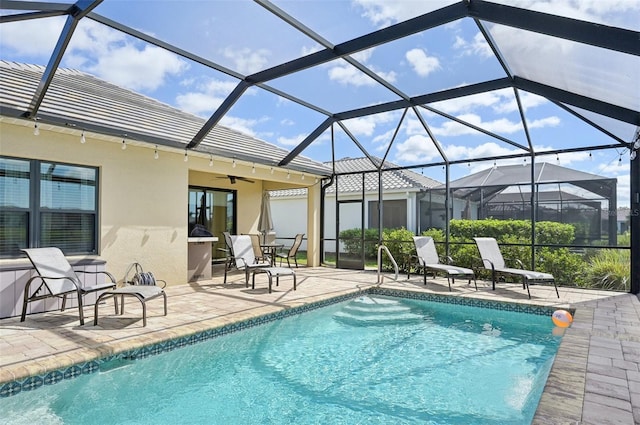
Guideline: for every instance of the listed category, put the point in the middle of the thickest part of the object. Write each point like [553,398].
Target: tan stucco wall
[142,200]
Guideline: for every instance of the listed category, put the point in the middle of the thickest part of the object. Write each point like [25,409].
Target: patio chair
[257,249]
[428,260]
[492,260]
[293,251]
[242,256]
[58,280]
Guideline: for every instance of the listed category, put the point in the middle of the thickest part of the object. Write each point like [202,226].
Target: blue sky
[244,37]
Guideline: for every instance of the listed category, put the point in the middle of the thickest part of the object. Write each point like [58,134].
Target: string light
[233,164]
[253,169]
[155,153]
[186,157]
[210,160]
[558,158]
[83,139]
[495,165]
[36,129]
[124,144]
[288,175]
[271,170]
[302,178]
[590,156]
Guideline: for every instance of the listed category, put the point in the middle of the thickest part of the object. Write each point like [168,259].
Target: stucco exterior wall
[141,201]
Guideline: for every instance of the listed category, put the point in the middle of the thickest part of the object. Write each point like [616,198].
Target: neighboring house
[404,191]
[104,174]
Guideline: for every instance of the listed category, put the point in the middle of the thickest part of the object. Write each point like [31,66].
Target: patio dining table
[270,249]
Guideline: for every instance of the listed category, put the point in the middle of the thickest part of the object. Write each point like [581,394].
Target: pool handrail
[393,261]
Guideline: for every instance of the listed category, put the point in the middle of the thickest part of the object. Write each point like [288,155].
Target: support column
[313,225]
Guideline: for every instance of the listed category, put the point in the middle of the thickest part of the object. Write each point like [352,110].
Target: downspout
[634,226]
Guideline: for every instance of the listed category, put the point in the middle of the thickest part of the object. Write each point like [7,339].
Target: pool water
[370,360]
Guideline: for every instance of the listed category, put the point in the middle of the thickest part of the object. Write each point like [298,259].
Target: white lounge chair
[428,259]
[58,280]
[242,256]
[492,259]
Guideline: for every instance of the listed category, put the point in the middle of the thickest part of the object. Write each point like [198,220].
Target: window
[394,215]
[47,204]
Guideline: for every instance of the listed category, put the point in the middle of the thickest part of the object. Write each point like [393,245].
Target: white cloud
[624,190]
[240,124]
[610,12]
[205,97]
[415,149]
[422,64]
[383,13]
[544,122]
[349,75]
[478,46]
[366,126]
[137,69]
[470,103]
[528,101]
[96,49]
[381,141]
[500,125]
[246,60]
[201,104]
[292,141]
[42,35]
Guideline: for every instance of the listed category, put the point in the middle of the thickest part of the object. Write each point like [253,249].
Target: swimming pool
[372,359]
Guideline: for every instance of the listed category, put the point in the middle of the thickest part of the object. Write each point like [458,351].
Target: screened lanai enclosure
[521,110]
[559,194]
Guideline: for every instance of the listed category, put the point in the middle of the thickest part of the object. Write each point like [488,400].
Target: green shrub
[565,266]
[517,231]
[351,238]
[400,244]
[609,269]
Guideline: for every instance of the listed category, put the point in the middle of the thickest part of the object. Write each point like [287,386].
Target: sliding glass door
[215,210]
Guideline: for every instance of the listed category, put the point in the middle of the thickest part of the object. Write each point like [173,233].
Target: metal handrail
[393,261]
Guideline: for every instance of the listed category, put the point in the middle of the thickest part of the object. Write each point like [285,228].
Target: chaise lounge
[493,260]
[241,256]
[428,260]
[58,280]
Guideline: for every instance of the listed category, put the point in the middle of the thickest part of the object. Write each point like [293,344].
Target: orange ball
[562,318]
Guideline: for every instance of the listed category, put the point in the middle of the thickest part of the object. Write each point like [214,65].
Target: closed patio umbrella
[265,224]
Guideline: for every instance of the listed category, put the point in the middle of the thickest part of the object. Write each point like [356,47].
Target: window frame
[35,209]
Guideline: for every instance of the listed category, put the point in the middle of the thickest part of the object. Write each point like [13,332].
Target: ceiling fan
[233,179]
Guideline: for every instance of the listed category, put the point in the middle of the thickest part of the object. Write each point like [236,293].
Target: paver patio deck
[595,378]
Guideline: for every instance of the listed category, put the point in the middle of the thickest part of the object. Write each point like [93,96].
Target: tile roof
[84,101]
[393,179]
